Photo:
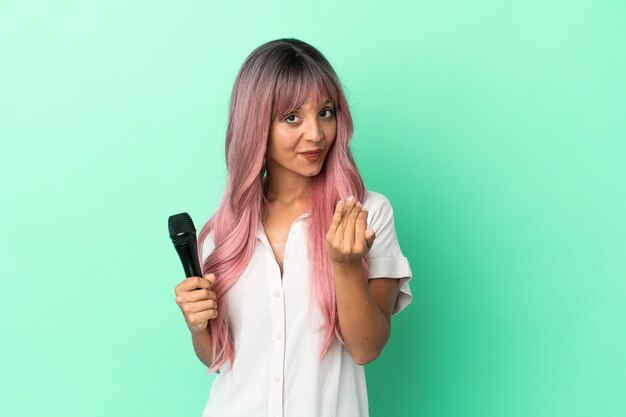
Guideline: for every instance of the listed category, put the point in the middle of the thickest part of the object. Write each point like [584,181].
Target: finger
[202,316]
[350,203]
[349,237]
[195,295]
[192,283]
[336,220]
[361,224]
[204,295]
[186,285]
[190,308]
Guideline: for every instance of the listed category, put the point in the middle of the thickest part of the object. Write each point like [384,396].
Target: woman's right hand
[196,301]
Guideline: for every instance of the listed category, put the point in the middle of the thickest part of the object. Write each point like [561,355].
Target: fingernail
[351,199]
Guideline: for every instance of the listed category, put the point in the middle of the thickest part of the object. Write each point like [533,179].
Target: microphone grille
[181,228]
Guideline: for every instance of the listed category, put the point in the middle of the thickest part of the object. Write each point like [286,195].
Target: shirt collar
[260,231]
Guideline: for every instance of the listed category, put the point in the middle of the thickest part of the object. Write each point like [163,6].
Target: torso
[286,324]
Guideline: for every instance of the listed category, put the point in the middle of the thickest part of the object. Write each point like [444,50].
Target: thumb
[210,277]
[370,235]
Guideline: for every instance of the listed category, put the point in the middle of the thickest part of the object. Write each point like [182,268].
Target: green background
[496,129]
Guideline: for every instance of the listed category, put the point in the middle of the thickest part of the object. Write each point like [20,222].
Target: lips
[311,156]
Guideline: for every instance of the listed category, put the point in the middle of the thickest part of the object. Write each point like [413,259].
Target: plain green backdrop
[496,129]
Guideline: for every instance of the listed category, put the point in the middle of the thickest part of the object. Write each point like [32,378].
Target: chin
[310,173]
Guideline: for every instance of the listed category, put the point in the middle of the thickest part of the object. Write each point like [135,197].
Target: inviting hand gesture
[348,239]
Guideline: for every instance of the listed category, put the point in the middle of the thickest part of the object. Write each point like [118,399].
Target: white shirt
[277,331]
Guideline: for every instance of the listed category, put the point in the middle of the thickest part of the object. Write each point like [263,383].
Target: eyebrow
[324,103]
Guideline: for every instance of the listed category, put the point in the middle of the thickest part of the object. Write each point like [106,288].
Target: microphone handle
[189,257]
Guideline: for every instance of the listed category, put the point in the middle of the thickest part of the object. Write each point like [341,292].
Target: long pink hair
[276,78]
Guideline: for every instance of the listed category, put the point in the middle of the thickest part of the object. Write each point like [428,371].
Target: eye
[330,113]
[290,119]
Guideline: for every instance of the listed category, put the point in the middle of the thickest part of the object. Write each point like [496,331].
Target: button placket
[277,365]
[277,308]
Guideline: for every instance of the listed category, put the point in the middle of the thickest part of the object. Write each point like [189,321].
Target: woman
[290,255]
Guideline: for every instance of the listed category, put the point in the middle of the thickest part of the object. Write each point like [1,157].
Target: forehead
[313,100]
[294,90]
[298,99]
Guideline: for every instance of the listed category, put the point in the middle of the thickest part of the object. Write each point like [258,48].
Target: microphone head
[182,230]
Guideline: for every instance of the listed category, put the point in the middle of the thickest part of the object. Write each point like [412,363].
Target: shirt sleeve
[385,259]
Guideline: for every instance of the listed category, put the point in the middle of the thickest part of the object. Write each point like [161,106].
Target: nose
[312,130]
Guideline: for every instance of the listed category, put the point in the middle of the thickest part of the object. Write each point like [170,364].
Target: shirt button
[276,294]
[279,336]
[286,256]
[277,378]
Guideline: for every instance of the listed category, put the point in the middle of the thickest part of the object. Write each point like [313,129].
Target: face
[299,142]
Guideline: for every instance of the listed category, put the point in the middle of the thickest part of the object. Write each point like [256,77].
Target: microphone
[183,235]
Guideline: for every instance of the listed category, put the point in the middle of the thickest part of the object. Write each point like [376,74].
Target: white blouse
[276,323]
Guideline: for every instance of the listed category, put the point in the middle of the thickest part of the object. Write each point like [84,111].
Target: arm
[364,311]
[202,345]
[363,307]
[198,305]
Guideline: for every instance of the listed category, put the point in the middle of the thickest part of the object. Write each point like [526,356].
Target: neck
[287,189]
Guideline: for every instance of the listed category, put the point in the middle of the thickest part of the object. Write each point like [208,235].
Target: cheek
[331,133]
[282,144]
[278,139]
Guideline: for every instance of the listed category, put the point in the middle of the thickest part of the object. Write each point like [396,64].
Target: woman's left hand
[348,238]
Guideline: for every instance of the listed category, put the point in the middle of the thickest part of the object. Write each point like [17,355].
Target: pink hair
[275,79]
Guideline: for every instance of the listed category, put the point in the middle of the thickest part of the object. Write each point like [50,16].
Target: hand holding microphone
[196,301]
[193,295]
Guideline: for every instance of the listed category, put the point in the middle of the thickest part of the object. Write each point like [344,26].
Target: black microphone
[183,235]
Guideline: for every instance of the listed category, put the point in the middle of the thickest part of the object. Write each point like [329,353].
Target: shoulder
[377,204]
[374,199]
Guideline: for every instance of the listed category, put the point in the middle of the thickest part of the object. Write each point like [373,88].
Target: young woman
[302,267]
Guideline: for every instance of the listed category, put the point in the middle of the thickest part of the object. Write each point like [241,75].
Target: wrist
[350,282]
[348,267]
